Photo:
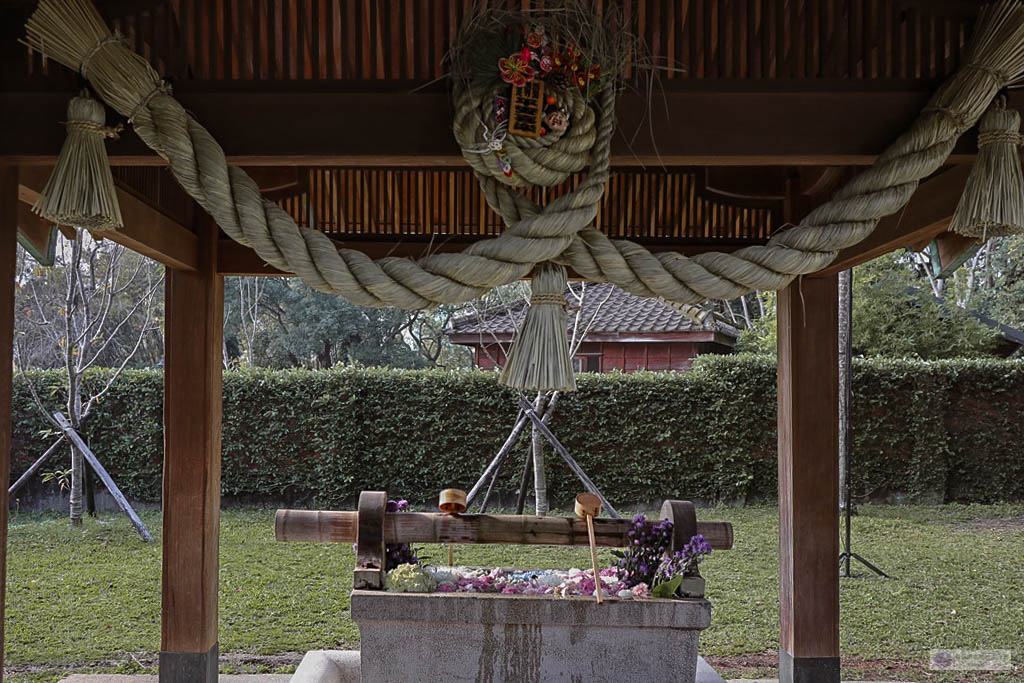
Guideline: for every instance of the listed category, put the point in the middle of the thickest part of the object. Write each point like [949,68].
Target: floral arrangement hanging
[525,86]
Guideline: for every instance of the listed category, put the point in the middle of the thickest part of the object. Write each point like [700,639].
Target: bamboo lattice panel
[644,205]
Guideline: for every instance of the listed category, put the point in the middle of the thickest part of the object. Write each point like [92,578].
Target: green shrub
[946,430]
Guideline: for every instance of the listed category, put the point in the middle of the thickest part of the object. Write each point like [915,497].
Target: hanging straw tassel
[992,204]
[539,359]
[80,191]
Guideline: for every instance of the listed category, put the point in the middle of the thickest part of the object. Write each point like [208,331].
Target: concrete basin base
[489,638]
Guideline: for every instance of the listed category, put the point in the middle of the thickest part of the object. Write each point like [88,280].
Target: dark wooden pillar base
[807,669]
[189,667]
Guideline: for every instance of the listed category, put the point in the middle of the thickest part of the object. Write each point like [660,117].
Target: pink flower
[641,591]
[445,588]
[515,70]
[510,589]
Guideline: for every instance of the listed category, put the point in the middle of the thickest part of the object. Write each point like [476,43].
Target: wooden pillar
[191,482]
[809,481]
[8,253]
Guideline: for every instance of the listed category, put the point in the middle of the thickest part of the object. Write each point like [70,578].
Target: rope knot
[545,299]
[999,136]
[113,38]
[1001,76]
[162,88]
[93,128]
[960,120]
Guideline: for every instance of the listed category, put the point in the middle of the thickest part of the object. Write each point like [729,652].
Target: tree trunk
[78,471]
[71,365]
[75,495]
[845,351]
[540,488]
[90,492]
[746,312]
[324,359]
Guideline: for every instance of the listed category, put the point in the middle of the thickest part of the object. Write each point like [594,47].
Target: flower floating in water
[515,69]
[641,591]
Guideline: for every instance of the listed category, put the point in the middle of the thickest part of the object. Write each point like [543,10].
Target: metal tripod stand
[845,394]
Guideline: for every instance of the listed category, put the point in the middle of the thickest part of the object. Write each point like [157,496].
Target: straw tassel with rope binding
[992,204]
[80,192]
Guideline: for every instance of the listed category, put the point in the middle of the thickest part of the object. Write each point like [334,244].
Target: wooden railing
[406,40]
[644,204]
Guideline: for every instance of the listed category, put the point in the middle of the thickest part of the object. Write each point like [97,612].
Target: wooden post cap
[452,500]
[587,504]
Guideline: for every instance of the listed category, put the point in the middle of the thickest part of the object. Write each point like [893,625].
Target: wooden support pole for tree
[34,467]
[191,482]
[104,476]
[808,481]
[8,259]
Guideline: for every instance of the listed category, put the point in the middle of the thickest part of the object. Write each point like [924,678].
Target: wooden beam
[832,125]
[146,229]
[808,415]
[191,482]
[8,259]
[953,250]
[926,215]
[36,235]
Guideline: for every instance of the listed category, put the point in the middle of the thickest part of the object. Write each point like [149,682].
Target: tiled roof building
[624,332]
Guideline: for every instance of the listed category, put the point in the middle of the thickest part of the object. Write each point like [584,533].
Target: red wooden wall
[625,356]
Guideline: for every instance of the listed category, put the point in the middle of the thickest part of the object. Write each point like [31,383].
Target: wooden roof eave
[693,128]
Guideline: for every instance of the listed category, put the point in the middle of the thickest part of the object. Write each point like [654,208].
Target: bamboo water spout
[319,526]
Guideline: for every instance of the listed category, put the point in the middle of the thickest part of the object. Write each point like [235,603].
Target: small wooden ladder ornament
[588,506]
[452,501]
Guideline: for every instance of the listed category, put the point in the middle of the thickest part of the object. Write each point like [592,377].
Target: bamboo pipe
[431,527]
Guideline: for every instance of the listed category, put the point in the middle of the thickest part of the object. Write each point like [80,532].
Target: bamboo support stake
[588,506]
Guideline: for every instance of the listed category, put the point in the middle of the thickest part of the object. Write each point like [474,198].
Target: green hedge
[948,430]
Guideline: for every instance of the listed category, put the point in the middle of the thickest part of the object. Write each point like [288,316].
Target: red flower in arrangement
[546,63]
[568,60]
[515,70]
[535,39]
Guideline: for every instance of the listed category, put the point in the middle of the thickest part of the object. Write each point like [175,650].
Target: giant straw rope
[71,32]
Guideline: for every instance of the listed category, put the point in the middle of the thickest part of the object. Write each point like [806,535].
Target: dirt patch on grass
[766,665]
[1011,524]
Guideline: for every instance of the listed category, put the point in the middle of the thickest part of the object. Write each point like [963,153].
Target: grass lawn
[89,599]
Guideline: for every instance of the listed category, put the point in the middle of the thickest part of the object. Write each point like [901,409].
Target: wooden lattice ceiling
[410,203]
[406,40]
